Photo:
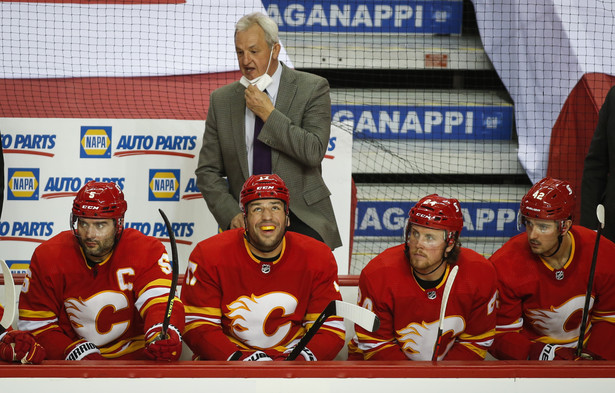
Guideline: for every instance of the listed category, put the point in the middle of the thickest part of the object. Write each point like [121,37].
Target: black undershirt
[425,284]
[267,260]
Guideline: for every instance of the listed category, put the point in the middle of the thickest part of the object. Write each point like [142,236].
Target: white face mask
[261,82]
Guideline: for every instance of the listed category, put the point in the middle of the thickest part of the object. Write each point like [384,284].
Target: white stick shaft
[9,296]
[447,292]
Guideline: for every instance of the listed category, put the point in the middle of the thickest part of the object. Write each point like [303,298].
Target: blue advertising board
[454,122]
[367,16]
[480,219]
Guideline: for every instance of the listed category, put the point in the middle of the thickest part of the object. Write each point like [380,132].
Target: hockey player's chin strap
[407,254]
[427,274]
[559,244]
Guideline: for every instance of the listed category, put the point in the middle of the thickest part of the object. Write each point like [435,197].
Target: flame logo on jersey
[249,317]
[84,316]
[558,322]
[418,339]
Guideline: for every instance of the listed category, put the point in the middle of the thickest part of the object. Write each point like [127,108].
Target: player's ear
[566,225]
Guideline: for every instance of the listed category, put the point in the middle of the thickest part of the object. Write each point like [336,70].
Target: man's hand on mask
[258,102]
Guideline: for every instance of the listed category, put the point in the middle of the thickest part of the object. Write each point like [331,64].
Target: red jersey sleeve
[330,338]
[381,344]
[40,310]
[479,281]
[201,296]
[152,287]
[509,342]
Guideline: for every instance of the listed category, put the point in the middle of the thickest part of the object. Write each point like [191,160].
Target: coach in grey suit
[296,129]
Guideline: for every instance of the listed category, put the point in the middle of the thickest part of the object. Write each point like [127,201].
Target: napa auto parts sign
[47,161]
[351,16]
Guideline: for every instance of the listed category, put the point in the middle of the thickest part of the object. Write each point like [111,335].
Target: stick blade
[359,315]
[600,214]
[9,296]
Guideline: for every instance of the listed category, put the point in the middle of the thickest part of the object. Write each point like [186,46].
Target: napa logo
[18,266]
[95,142]
[164,184]
[23,184]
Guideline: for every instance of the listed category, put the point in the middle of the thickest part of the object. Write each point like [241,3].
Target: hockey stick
[445,294]
[9,298]
[175,275]
[359,315]
[590,283]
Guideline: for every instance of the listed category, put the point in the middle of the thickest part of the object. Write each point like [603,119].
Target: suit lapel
[238,109]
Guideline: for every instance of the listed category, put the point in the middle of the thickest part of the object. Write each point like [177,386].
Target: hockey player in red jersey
[543,276]
[404,287]
[100,291]
[19,346]
[250,294]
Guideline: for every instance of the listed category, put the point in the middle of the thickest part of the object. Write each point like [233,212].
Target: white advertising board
[48,160]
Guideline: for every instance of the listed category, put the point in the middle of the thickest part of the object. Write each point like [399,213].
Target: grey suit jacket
[298,133]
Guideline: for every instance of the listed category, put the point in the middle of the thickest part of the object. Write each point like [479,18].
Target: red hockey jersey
[64,301]
[409,315]
[539,304]
[233,301]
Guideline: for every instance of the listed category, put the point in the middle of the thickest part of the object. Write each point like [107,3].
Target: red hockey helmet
[549,199]
[265,186]
[100,200]
[436,212]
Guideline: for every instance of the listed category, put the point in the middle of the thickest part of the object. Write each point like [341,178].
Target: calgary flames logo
[249,317]
[84,314]
[418,339]
[557,322]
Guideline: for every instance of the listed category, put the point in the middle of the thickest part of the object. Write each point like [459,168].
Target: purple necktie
[261,154]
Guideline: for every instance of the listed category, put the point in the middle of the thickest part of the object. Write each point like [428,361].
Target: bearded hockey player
[250,294]
[543,277]
[99,291]
[404,286]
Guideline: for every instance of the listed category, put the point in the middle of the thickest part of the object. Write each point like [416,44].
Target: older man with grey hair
[274,120]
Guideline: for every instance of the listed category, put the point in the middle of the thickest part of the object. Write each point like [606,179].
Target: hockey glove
[161,348]
[540,351]
[83,350]
[306,355]
[250,356]
[17,345]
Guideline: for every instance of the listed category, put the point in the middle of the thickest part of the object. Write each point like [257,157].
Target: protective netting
[453,97]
